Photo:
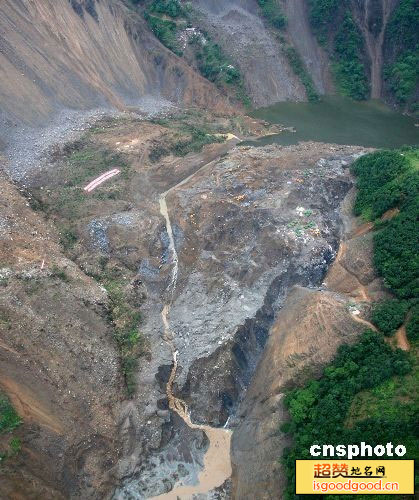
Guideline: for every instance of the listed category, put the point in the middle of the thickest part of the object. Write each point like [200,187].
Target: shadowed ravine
[217,464]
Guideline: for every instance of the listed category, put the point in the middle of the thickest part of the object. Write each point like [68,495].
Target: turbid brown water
[217,463]
[340,120]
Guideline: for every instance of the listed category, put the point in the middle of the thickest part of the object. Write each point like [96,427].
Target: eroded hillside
[57,55]
[59,365]
[100,306]
[189,288]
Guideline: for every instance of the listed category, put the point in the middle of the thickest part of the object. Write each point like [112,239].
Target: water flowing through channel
[217,465]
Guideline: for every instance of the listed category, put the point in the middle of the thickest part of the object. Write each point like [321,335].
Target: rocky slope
[238,27]
[61,55]
[248,224]
[304,338]
[58,363]
[248,227]
[314,56]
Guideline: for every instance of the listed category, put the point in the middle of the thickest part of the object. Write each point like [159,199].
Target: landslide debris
[59,365]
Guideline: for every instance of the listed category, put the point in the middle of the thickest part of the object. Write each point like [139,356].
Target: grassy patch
[190,134]
[79,163]
[195,142]
[9,419]
[90,161]
[125,320]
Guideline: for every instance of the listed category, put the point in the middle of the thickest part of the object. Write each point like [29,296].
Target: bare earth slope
[248,224]
[58,363]
[54,57]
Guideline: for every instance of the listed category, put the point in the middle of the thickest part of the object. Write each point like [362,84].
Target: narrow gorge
[179,250]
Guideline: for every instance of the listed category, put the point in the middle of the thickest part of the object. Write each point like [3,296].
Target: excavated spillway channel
[217,463]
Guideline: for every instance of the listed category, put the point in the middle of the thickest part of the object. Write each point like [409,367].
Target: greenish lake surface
[342,121]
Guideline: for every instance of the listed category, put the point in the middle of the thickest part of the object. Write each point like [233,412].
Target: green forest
[402,40]
[369,392]
[335,29]
[333,23]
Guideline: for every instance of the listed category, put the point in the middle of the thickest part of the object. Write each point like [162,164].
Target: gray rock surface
[239,29]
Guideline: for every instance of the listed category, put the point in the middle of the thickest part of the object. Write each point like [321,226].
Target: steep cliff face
[59,54]
[313,55]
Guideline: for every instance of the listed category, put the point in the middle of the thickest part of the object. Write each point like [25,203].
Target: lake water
[342,121]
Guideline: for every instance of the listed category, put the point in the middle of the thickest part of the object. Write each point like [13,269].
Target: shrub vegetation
[300,70]
[319,410]
[171,8]
[412,327]
[165,30]
[323,14]
[402,41]
[389,315]
[167,17]
[334,26]
[273,13]
[9,419]
[369,392]
[125,320]
[348,66]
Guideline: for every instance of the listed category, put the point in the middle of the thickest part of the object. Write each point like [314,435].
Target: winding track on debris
[217,463]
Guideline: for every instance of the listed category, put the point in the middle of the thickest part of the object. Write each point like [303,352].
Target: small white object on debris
[102,178]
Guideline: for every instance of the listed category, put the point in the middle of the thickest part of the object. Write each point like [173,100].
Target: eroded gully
[217,464]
